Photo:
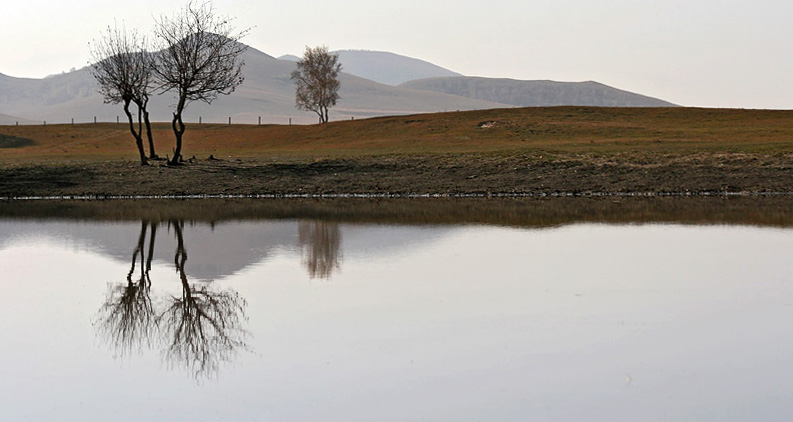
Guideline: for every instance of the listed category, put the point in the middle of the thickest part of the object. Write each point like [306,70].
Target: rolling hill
[389,68]
[12,120]
[384,67]
[536,93]
[268,92]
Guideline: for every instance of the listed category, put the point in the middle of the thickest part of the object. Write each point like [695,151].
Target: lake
[562,309]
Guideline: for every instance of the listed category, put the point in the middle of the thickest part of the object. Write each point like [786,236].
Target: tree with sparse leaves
[317,80]
[201,58]
[123,68]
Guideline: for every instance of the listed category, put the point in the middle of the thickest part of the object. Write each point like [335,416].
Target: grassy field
[573,149]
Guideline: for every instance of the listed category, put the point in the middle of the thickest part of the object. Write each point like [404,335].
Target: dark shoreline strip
[408,195]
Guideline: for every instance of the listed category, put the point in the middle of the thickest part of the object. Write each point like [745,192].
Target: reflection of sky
[583,322]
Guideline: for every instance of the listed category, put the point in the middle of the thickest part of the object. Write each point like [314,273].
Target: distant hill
[536,93]
[11,120]
[384,67]
[267,91]
[388,68]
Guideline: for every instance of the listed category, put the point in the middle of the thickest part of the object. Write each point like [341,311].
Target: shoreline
[528,212]
[450,175]
[589,195]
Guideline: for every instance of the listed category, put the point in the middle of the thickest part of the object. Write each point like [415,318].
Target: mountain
[388,68]
[536,93]
[384,67]
[267,91]
[11,120]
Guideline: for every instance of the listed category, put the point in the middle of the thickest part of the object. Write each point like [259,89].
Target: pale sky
[709,53]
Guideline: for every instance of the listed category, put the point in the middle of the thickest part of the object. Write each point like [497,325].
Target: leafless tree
[201,57]
[317,80]
[123,67]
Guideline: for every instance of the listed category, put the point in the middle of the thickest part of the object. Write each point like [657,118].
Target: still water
[342,319]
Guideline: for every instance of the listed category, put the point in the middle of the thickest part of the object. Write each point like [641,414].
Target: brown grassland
[524,151]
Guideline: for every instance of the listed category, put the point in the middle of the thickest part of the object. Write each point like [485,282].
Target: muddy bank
[430,174]
[765,211]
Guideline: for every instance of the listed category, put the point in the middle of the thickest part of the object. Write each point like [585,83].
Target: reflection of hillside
[227,235]
[214,252]
[224,249]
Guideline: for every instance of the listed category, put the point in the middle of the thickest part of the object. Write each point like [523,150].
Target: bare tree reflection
[127,318]
[320,243]
[202,326]
[199,329]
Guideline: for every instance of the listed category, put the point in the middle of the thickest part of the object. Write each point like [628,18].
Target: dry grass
[534,151]
[579,131]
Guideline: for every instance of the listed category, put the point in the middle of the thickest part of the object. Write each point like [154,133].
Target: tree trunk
[152,154]
[145,106]
[138,138]
[178,130]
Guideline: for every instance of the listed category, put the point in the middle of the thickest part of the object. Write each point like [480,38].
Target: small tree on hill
[123,69]
[201,58]
[317,80]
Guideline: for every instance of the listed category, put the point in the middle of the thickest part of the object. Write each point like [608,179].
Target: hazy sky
[726,53]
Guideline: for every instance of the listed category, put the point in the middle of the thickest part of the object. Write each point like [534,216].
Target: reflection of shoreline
[772,210]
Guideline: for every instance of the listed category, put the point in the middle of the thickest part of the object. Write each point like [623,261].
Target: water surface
[145,315]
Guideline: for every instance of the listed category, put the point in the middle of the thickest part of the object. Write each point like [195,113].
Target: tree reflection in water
[203,325]
[320,244]
[199,329]
[127,319]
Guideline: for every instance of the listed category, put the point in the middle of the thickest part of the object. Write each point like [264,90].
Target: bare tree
[143,104]
[317,80]
[123,69]
[200,59]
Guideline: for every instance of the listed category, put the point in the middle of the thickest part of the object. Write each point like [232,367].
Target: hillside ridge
[536,93]
[267,95]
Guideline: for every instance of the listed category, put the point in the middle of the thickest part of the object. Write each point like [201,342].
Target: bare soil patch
[412,175]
